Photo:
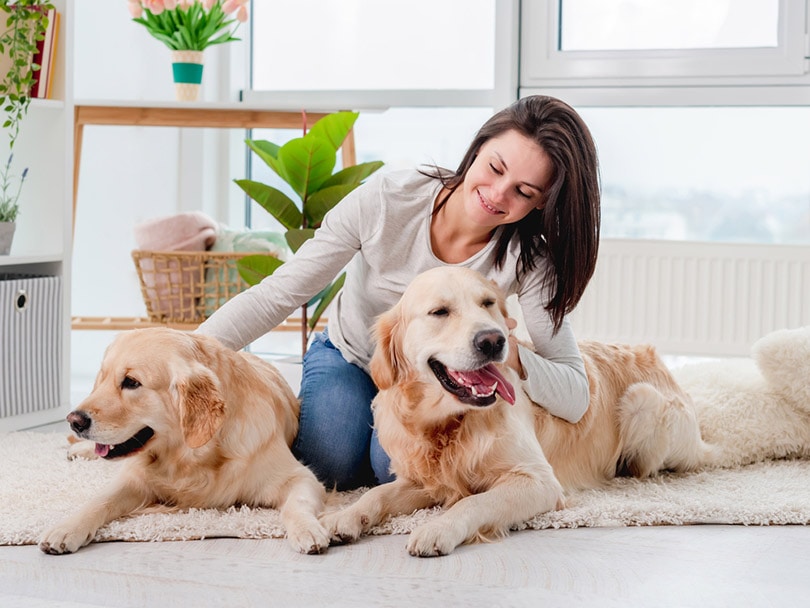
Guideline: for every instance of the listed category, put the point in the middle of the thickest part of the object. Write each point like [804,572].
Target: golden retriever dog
[462,434]
[201,426]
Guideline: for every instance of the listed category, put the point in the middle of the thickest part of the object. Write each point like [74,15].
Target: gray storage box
[30,343]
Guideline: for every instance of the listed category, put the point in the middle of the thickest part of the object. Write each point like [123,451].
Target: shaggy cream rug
[39,486]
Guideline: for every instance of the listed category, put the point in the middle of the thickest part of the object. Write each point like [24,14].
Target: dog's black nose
[490,343]
[79,421]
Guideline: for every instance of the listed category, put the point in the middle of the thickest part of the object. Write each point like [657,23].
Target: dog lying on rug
[201,426]
[461,433]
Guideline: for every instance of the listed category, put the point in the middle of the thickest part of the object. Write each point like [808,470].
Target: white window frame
[504,91]
[544,65]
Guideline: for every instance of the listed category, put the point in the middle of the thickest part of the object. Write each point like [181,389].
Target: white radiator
[705,299]
[30,344]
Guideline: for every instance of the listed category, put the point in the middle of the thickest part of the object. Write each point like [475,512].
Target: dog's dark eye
[488,303]
[439,312]
[130,383]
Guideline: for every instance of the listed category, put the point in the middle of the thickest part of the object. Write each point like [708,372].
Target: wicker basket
[187,286]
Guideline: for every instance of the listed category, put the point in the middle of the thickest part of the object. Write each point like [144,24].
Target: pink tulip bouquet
[190,25]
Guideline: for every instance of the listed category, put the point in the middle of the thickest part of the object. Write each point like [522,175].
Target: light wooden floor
[666,566]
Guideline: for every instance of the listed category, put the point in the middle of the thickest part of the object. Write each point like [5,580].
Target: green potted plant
[306,164]
[9,204]
[25,25]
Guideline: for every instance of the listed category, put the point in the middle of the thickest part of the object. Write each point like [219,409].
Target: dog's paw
[344,526]
[82,449]
[311,538]
[433,539]
[61,540]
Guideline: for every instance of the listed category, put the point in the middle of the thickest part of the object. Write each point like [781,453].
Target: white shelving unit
[42,242]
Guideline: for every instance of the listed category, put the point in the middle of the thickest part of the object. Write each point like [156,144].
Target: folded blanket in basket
[191,231]
[169,291]
[248,241]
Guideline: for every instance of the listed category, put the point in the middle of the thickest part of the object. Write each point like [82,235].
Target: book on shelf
[45,57]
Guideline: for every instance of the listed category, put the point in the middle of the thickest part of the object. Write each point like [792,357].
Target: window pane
[709,174]
[593,25]
[368,44]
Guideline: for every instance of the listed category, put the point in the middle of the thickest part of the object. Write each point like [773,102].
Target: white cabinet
[42,242]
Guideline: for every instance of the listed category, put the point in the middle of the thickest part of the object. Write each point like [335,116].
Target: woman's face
[508,178]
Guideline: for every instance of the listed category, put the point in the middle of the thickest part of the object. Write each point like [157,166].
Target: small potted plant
[9,204]
[25,25]
[187,28]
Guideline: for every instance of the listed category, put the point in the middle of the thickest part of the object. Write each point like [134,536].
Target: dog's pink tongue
[102,450]
[482,380]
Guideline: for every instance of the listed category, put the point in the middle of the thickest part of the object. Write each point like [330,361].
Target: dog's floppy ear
[202,409]
[387,359]
[502,305]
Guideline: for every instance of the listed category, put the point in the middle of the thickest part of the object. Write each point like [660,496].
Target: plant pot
[6,236]
[187,69]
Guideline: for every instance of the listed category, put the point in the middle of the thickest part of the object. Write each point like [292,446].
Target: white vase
[6,236]
[187,69]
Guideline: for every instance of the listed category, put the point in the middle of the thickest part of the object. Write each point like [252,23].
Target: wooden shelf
[197,115]
[126,323]
[21,259]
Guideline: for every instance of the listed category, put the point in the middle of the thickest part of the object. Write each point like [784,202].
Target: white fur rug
[39,486]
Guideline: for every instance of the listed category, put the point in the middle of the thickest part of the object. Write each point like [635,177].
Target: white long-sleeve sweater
[380,233]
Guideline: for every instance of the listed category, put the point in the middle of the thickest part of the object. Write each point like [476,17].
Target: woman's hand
[512,359]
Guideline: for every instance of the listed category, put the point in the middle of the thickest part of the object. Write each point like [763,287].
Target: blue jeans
[335,434]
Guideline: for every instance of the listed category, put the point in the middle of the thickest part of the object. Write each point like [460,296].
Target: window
[625,41]
[623,25]
[368,44]
[699,110]
[421,72]
[704,174]
[366,54]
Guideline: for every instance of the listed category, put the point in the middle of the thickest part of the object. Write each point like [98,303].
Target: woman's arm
[554,373]
[254,312]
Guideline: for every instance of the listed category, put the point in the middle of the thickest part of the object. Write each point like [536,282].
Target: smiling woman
[504,183]
[395,226]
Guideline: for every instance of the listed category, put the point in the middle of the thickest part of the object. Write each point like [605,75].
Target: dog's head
[449,331]
[152,386]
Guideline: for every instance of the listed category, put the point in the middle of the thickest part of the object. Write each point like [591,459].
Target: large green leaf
[323,200]
[307,163]
[254,268]
[313,301]
[329,295]
[296,238]
[268,152]
[334,128]
[274,201]
[353,175]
